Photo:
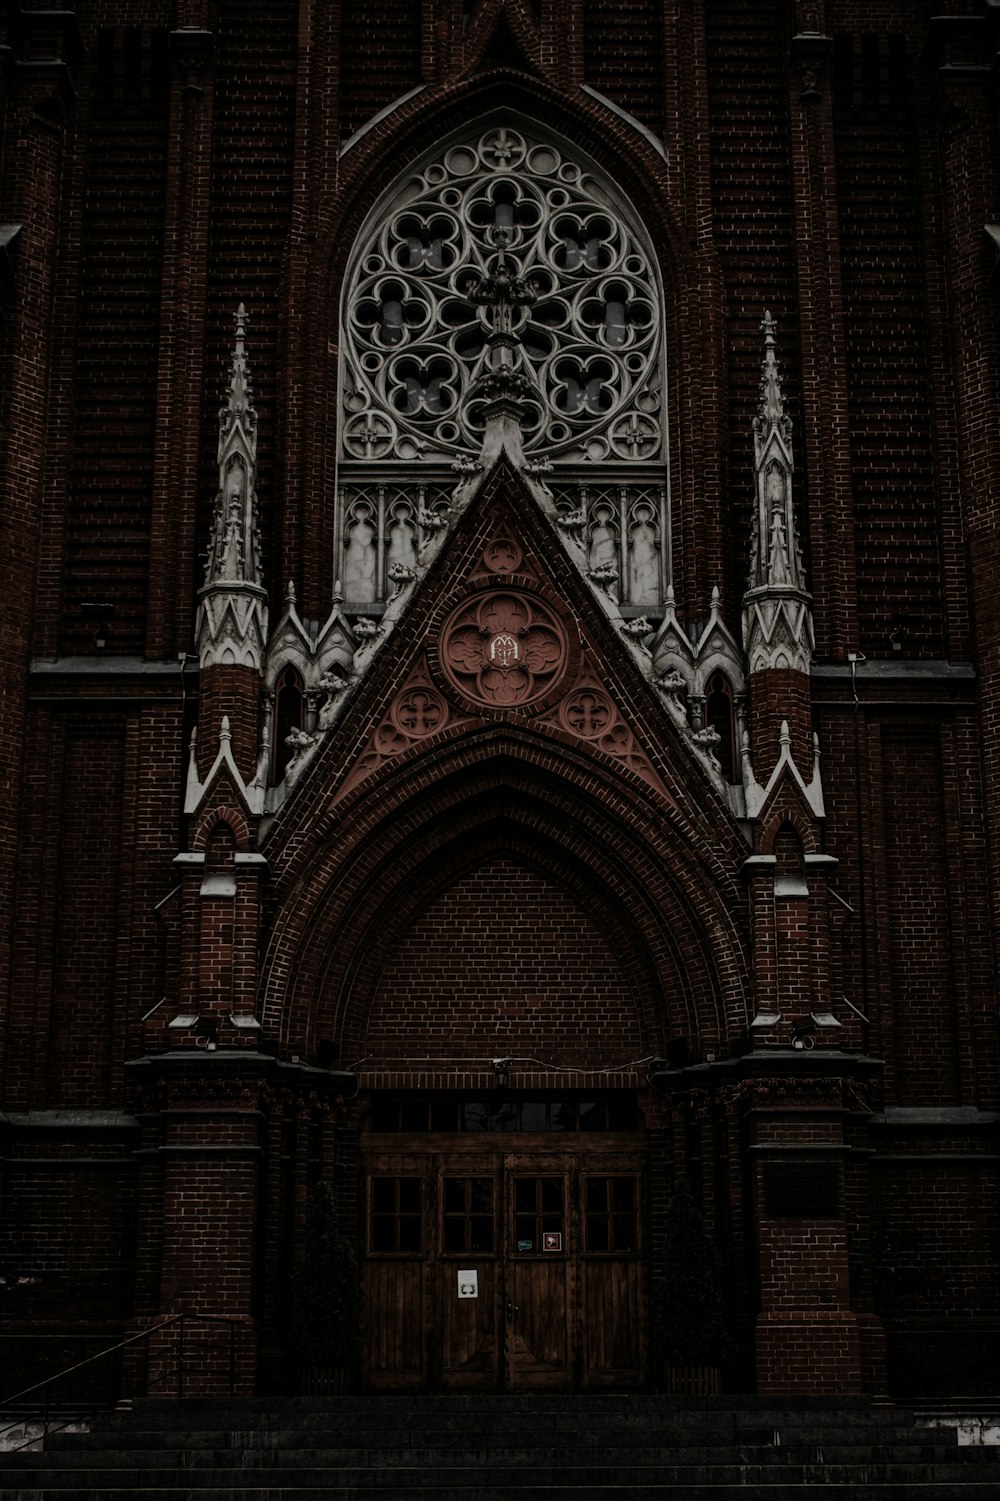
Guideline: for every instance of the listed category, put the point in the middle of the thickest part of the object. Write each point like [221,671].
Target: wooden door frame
[415,1285]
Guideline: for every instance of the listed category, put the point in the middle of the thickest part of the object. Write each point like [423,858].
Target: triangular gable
[504,627]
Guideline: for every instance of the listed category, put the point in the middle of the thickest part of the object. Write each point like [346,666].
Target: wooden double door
[512,1267]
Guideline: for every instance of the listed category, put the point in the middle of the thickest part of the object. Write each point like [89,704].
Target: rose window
[503,649]
[415,341]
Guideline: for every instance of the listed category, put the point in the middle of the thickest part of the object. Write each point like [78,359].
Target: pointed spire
[772,406]
[777,620]
[240,403]
[232,617]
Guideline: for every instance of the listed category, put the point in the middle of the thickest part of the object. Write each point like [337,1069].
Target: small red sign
[552,1240]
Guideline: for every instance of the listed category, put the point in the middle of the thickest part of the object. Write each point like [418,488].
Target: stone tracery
[415,334]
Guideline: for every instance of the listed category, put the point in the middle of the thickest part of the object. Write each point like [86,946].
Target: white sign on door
[468,1284]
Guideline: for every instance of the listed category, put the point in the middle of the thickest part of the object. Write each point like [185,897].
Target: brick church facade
[501,681]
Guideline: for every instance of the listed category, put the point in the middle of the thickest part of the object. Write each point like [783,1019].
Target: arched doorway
[503,1221]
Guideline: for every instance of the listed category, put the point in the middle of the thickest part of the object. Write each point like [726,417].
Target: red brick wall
[504,962]
[380,58]
[918,942]
[623,55]
[81,1038]
[251,200]
[120,265]
[886,324]
[747,75]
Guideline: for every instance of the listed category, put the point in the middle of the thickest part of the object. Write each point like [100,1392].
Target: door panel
[539,1310]
[394,1326]
[540,1325]
[612,1322]
[555,1240]
[469,1232]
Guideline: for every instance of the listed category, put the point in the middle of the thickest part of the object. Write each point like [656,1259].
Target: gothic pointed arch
[416,355]
[353,877]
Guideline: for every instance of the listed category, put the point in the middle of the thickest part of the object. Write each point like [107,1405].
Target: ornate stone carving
[503,649]
[302,745]
[589,713]
[418,711]
[503,218]
[502,555]
[777,613]
[231,628]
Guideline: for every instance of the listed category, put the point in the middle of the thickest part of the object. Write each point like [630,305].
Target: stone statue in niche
[360,561]
[603,542]
[401,551]
[643,558]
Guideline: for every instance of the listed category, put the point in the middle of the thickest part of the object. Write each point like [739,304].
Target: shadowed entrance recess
[505,1240]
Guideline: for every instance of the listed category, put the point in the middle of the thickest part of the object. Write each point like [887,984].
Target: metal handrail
[35,1413]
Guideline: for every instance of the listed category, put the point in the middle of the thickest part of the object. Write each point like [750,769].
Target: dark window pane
[597,1233]
[454,1235]
[409,1233]
[552,1222]
[524,1195]
[444,1115]
[624,1226]
[563,1116]
[413,1115]
[475,1115]
[621,1115]
[382,1232]
[591,1115]
[552,1195]
[454,1196]
[533,1115]
[480,1233]
[624,1191]
[481,1196]
[524,1231]
[504,1117]
[409,1195]
[383,1195]
[597,1195]
[385,1115]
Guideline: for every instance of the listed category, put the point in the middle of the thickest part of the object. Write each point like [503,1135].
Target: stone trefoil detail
[777,608]
[231,628]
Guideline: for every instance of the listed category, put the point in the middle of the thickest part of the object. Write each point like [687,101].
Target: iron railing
[136,1369]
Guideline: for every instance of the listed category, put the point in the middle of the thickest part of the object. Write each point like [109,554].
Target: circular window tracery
[415,341]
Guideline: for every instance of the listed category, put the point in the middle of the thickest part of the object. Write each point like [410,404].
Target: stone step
[391,1479]
[464,1436]
[908,1490]
[595,1451]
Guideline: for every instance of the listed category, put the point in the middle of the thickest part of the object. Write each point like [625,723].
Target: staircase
[495,1448]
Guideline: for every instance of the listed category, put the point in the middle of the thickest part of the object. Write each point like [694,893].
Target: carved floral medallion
[504,649]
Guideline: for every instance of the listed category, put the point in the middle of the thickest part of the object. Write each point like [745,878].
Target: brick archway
[664,905]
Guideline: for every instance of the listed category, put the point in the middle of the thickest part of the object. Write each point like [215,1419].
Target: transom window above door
[502,1114]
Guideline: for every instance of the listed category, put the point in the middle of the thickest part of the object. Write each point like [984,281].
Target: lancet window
[414,348]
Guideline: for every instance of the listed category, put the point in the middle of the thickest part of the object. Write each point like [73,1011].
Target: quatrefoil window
[415,343]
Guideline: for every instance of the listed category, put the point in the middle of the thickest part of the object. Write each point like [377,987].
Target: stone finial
[232,614]
[777,616]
